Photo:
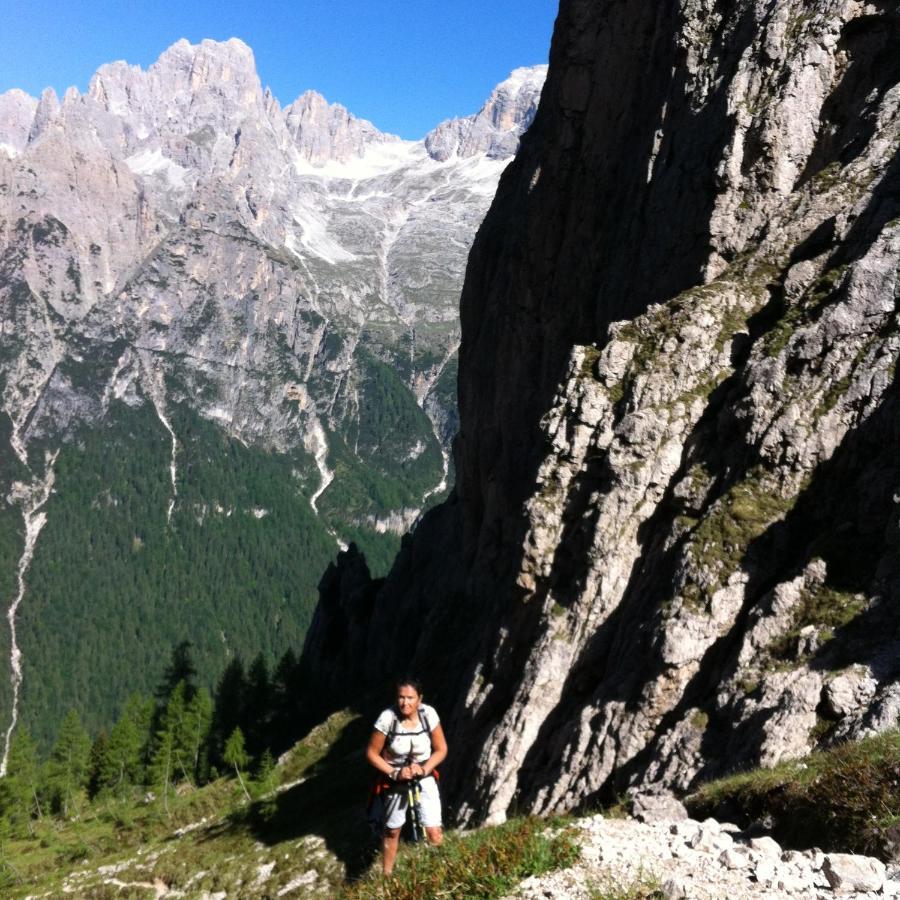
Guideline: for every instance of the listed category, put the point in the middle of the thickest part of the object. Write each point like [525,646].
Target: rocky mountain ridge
[284,280]
[671,551]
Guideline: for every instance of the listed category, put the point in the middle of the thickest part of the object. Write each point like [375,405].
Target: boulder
[766,846]
[652,808]
[847,872]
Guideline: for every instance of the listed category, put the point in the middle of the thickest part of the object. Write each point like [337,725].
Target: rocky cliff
[672,548]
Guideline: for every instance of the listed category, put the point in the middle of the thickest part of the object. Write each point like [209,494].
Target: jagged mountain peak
[209,61]
[328,132]
[221,74]
[17,111]
[496,128]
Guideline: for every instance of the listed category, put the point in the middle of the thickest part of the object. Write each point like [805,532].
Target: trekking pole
[413,794]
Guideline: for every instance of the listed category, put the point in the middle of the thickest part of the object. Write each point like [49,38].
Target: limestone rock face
[17,111]
[675,521]
[324,131]
[495,130]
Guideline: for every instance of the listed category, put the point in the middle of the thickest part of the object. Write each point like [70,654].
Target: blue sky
[404,65]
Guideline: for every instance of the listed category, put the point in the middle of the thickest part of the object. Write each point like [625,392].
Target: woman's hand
[407,774]
[417,770]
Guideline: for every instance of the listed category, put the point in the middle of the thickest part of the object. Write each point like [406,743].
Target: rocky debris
[685,859]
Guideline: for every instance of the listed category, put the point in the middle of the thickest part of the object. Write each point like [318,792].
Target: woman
[408,742]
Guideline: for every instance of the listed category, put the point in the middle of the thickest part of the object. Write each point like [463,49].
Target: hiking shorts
[396,804]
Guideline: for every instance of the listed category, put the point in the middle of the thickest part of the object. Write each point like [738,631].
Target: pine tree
[197,725]
[258,708]
[67,768]
[228,714]
[97,763]
[19,789]
[172,757]
[285,710]
[181,669]
[125,763]
[236,756]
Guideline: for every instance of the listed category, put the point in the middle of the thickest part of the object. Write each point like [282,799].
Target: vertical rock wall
[672,548]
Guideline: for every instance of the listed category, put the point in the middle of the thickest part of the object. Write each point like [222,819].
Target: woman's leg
[390,844]
[430,811]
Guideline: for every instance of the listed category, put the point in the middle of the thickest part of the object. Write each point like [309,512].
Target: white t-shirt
[414,739]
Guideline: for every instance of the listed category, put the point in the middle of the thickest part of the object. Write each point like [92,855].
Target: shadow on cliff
[848,119]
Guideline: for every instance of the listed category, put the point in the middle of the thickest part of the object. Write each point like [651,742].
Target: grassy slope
[316,823]
[845,799]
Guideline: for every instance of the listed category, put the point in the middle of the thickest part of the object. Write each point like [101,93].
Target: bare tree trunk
[243,786]
[166,784]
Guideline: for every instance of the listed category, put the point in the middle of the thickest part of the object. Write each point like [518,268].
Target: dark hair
[409,681]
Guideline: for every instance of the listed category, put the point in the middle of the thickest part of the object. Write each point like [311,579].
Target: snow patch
[118,107]
[316,443]
[155,387]
[315,237]
[416,451]
[9,150]
[378,159]
[218,414]
[152,162]
[533,76]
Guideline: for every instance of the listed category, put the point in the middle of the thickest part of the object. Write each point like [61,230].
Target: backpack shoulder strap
[395,721]
[426,724]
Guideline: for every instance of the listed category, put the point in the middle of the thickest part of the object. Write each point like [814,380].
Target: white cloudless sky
[404,65]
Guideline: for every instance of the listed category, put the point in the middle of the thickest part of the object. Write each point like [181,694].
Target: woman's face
[408,699]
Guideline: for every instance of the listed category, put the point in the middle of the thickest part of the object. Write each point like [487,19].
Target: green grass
[719,542]
[824,606]
[844,799]
[480,865]
[808,308]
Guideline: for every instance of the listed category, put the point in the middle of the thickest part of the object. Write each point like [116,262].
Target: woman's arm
[374,757]
[438,750]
